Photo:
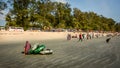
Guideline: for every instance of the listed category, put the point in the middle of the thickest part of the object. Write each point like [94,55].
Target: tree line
[47,14]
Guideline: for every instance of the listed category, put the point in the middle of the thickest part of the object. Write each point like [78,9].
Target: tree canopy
[46,14]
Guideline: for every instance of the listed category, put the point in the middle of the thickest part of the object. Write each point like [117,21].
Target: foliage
[46,14]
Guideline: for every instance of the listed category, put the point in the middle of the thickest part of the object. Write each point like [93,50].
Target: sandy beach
[7,36]
[94,53]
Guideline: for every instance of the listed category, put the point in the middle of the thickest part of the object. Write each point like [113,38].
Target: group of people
[83,36]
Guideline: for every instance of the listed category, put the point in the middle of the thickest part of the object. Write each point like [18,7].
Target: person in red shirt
[80,37]
[27,47]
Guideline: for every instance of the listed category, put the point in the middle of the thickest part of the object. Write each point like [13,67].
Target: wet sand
[95,53]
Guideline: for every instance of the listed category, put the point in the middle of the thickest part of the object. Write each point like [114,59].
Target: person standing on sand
[27,47]
[83,36]
[69,37]
[87,36]
[80,37]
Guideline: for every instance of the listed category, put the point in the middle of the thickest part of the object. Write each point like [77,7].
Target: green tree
[117,27]
[46,14]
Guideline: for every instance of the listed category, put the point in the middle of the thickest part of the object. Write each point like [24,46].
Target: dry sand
[95,53]
[7,36]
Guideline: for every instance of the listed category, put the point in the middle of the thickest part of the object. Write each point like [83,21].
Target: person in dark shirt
[107,40]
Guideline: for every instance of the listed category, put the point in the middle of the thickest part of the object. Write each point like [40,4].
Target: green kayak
[38,49]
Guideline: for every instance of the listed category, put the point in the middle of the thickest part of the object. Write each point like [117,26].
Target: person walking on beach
[69,37]
[83,36]
[87,36]
[27,47]
[80,37]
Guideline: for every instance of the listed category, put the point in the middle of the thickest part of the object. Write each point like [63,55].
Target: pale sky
[107,8]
